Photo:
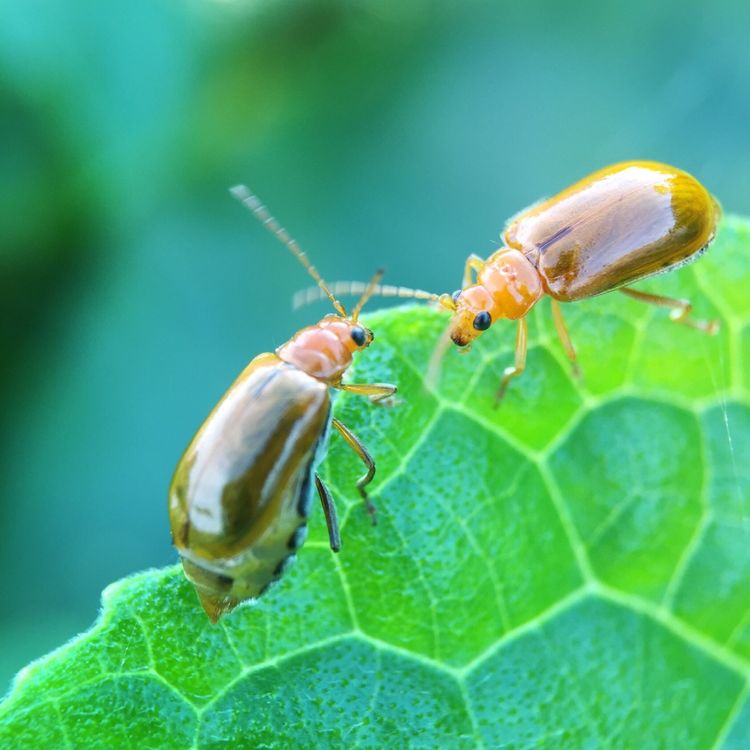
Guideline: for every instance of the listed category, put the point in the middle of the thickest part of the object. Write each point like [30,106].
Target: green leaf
[570,570]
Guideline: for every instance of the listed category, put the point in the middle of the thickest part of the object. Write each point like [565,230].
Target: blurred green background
[395,134]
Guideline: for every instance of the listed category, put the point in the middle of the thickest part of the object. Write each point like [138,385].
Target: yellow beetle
[613,228]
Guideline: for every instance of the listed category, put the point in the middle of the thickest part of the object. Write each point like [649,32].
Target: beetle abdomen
[240,494]
[619,225]
[222,584]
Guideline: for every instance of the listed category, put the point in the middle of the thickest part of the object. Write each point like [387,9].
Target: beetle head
[353,336]
[472,314]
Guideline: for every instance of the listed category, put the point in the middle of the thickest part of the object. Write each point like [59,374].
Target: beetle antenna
[353,288]
[251,201]
[369,289]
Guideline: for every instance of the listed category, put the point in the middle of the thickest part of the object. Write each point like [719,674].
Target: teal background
[133,289]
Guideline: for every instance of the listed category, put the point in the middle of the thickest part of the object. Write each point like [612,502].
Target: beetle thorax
[512,282]
[324,351]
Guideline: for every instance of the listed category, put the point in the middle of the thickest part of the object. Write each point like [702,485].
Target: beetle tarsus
[372,511]
[329,511]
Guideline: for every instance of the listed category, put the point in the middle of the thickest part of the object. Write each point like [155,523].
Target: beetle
[619,225]
[241,493]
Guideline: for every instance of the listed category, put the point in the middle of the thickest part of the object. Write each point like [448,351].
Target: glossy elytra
[618,226]
[241,493]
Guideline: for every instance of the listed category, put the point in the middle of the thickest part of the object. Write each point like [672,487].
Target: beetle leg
[520,364]
[562,332]
[432,377]
[362,452]
[681,309]
[376,392]
[473,263]
[329,511]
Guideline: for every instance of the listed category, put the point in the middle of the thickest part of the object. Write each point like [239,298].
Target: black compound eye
[482,321]
[456,295]
[359,337]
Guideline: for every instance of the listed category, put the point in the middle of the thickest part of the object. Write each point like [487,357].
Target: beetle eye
[482,321]
[456,295]
[359,336]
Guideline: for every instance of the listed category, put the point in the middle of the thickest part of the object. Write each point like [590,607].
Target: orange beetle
[621,224]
